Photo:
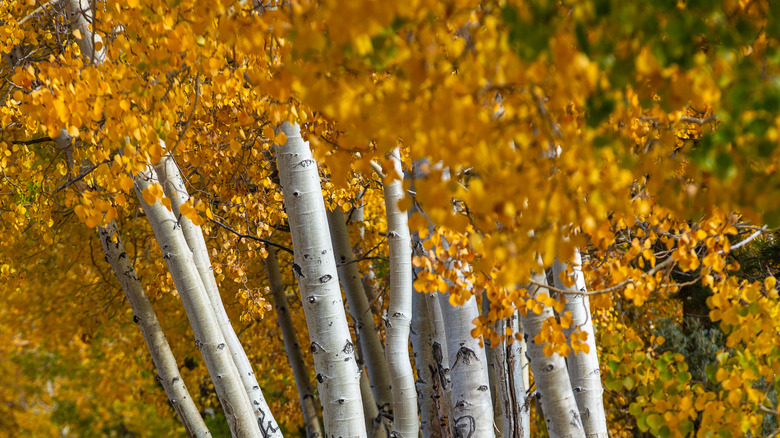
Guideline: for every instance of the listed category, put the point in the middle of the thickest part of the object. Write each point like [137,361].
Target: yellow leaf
[77,34]
[149,196]
[281,138]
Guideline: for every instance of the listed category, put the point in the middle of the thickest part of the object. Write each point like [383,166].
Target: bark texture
[427,384]
[292,348]
[315,269]
[174,189]
[510,381]
[208,336]
[144,315]
[368,336]
[583,367]
[399,311]
[553,387]
[472,412]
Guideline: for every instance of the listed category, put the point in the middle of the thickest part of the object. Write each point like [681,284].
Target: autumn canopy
[375,219]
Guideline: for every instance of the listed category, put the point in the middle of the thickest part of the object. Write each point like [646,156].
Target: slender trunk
[493,373]
[472,412]
[375,427]
[441,360]
[176,191]
[405,421]
[315,269]
[553,387]
[208,336]
[291,346]
[144,315]
[427,384]
[511,385]
[583,367]
[368,336]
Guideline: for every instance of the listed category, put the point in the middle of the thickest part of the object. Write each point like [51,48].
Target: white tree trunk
[399,312]
[553,387]
[472,412]
[375,426]
[441,360]
[292,348]
[511,384]
[208,336]
[174,189]
[368,336]
[315,268]
[583,367]
[493,374]
[144,315]
[428,398]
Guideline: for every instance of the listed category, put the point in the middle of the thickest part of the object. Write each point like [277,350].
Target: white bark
[144,315]
[427,384]
[553,387]
[208,336]
[292,348]
[472,412]
[583,367]
[493,374]
[315,270]
[399,312]
[441,360]
[80,18]
[368,336]
[174,189]
[375,427]
[511,385]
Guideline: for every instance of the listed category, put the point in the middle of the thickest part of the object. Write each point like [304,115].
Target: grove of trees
[361,219]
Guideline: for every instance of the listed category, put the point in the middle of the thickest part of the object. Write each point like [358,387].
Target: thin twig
[81,175]
[39,9]
[251,237]
[192,113]
[746,241]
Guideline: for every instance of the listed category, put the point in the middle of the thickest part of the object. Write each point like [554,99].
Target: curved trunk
[208,336]
[167,369]
[472,412]
[399,311]
[315,269]
[553,387]
[583,367]
[291,346]
[174,188]
[368,336]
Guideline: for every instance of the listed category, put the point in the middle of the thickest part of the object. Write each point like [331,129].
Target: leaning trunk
[176,191]
[167,369]
[292,348]
[583,367]
[208,336]
[315,270]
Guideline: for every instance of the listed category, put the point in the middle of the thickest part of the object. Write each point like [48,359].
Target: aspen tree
[175,190]
[208,336]
[553,387]
[315,269]
[292,348]
[368,336]
[144,315]
[583,366]
[399,312]
[427,384]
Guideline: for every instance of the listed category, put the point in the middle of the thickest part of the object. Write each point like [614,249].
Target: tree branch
[249,236]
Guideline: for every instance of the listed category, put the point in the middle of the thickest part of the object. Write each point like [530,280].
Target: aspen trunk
[368,336]
[583,367]
[208,336]
[292,348]
[315,269]
[472,412]
[553,387]
[399,312]
[174,188]
[144,315]
[375,426]
[427,384]
[511,384]
[494,373]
